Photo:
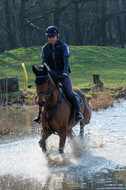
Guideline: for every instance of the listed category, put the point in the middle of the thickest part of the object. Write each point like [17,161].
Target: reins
[48,117]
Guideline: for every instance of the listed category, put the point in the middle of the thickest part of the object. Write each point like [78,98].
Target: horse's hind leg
[70,133]
[62,142]
[81,130]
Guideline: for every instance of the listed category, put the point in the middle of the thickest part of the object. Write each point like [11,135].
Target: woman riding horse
[55,54]
[56,114]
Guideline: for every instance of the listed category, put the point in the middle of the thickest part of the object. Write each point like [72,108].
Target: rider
[55,54]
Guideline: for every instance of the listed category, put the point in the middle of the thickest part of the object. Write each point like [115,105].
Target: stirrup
[37,119]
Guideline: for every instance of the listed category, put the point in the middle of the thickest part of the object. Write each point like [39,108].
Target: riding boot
[78,115]
[37,117]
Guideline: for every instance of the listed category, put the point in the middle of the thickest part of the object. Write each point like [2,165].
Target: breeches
[67,84]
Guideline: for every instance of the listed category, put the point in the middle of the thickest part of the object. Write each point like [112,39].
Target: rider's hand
[65,75]
[52,73]
[62,77]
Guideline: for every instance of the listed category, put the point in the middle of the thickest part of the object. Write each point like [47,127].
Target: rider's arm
[66,59]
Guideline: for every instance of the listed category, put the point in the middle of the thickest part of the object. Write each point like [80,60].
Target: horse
[56,113]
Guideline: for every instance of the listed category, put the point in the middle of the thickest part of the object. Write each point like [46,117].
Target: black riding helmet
[52,31]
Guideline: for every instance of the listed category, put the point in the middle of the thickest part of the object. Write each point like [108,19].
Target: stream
[98,162]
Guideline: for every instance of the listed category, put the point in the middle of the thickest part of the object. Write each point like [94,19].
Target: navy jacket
[56,57]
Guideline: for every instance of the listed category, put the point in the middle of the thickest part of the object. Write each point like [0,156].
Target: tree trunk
[77,32]
[22,24]
[120,31]
[102,24]
[56,13]
[8,27]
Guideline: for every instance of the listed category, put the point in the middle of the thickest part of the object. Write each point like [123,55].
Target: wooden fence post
[9,84]
[96,80]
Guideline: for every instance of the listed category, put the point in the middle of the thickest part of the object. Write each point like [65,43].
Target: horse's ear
[43,67]
[35,71]
[46,68]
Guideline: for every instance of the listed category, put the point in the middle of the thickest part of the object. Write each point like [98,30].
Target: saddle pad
[80,101]
[67,98]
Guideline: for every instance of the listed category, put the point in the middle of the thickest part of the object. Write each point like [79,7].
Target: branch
[116,13]
[40,17]
[36,3]
[7,31]
[52,10]
[33,25]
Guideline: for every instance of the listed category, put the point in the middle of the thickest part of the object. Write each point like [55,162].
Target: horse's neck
[55,94]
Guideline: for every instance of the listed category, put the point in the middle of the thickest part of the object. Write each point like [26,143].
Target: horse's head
[42,81]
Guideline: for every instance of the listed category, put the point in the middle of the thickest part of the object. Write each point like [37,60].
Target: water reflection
[121,175]
[62,181]
[97,162]
[16,122]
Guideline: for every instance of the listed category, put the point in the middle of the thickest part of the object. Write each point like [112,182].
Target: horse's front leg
[62,142]
[42,142]
[81,130]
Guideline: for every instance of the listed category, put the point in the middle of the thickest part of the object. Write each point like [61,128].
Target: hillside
[108,62]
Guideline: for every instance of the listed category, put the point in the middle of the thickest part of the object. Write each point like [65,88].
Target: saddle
[67,97]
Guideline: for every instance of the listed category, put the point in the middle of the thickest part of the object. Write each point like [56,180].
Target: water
[97,162]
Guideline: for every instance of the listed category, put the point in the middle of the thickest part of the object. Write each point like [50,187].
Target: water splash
[23,158]
[102,149]
[74,148]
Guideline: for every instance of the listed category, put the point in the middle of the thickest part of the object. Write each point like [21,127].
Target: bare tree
[81,22]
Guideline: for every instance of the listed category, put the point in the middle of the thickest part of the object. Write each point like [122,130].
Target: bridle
[45,92]
[48,93]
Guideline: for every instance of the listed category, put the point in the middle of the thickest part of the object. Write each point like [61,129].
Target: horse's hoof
[42,145]
[43,150]
[81,135]
[61,150]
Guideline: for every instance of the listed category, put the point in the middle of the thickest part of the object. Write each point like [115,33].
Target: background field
[108,62]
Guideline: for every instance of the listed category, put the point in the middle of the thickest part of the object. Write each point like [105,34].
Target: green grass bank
[108,62]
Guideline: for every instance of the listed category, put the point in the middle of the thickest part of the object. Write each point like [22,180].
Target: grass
[108,62]
[10,63]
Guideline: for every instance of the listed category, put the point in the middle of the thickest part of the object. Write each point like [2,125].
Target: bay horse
[55,110]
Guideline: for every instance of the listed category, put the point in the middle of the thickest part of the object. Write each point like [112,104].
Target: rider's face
[52,39]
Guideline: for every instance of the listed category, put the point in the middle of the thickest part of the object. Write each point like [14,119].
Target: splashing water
[103,149]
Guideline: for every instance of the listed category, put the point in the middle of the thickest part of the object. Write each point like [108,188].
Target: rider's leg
[67,84]
[78,115]
[37,117]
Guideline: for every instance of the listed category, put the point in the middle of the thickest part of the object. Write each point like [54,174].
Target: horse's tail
[86,111]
